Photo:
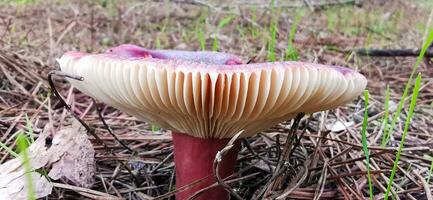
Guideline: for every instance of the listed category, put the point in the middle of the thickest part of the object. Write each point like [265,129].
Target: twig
[227,180]
[322,180]
[286,151]
[162,162]
[80,189]
[248,146]
[272,183]
[393,52]
[192,2]
[265,5]
[304,173]
[63,102]
[298,139]
[183,188]
[99,111]
[216,165]
[252,60]
[424,184]
[277,145]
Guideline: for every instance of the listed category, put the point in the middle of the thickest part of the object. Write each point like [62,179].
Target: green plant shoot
[291,52]
[365,144]
[23,148]
[396,115]
[405,131]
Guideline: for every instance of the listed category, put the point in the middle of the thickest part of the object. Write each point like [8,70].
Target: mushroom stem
[193,158]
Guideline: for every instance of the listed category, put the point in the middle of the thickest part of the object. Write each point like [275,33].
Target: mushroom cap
[209,100]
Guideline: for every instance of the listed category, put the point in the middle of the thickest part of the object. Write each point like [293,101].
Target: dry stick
[99,111]
[358,173]
[279,170]
[228,180]
[195,195]
[318,152]
[251,60]
[87,127]
[341,183]
[286,152]
[162,162]
[424,184]
[302,179]
[322,180]
[85,190]
[217,161]
[393,52]
[347,161]
[261,5]
[388,149]
[255,154]
[289,190]
[298,139]
[277,146]
[183,188]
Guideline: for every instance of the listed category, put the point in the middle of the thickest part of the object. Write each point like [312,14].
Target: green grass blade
[385,117]
[405,131]
[273,29]
[271,44]
[215,44]
[225,21]
[364,143]
[9,150]
[408,86]
[29,129]
[201,39]
[22,146]
[158,43]
[199,30]
[291,52]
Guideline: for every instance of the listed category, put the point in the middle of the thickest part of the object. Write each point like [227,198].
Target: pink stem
[193,158]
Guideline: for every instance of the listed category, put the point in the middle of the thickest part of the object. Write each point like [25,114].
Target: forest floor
[328,163]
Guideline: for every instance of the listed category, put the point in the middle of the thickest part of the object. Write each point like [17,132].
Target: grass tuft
[199,31]
[405,131]
[396,115]
[365,144]
[8,150]
[29,129]
[224,22]
[291,52]
[273,29]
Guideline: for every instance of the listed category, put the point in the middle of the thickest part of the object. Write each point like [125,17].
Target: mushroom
[205,98]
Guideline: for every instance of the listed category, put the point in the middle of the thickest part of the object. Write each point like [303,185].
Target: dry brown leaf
[76,162]
[71,155]
[17,187]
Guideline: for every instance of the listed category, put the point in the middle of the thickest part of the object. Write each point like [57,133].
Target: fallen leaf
[76,162]
[71,156]
[17,187]
[339,126]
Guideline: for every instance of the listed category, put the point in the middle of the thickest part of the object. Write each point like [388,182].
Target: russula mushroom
[205,98]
